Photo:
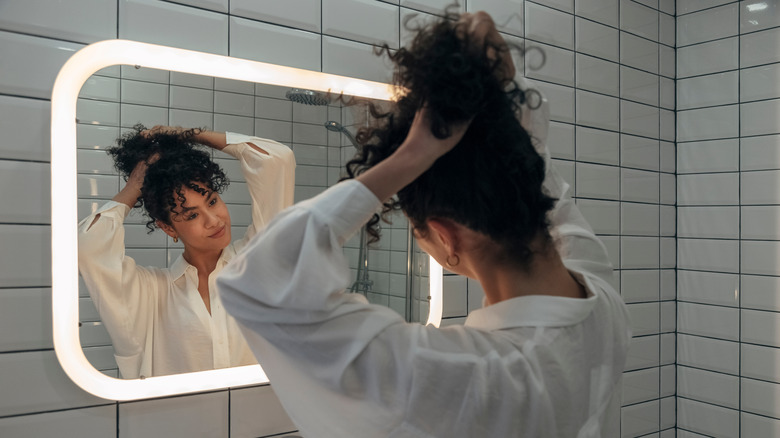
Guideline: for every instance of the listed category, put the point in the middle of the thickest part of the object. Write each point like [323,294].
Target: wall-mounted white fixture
[64,215]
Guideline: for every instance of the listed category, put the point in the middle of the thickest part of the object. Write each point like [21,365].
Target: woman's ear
[167,229]
[446,233]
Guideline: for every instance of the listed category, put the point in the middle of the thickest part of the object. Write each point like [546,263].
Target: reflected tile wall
[728,280]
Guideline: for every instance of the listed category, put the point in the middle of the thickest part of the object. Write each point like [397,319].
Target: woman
[545,354]
[170,320]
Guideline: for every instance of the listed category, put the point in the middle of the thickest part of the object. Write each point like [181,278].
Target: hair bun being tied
[134,147]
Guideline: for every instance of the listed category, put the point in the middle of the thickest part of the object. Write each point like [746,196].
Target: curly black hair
[491,181]
[175,162]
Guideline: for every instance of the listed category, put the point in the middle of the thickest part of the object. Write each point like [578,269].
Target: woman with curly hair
[170,320]
[464,151]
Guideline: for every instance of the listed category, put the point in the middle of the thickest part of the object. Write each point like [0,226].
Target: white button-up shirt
[532,366]
[156,318]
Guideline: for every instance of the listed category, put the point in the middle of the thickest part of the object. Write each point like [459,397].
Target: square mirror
[108,87]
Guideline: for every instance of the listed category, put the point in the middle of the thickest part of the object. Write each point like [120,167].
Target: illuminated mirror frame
[64,214]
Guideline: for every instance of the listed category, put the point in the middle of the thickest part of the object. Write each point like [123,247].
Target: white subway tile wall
[610,78]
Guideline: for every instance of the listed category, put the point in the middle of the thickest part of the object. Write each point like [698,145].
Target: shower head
[306,97]
[334,126]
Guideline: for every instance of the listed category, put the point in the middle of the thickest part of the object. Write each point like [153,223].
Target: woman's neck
[204,261]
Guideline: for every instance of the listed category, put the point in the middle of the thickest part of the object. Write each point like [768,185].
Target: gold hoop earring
[175,239]
[455,263]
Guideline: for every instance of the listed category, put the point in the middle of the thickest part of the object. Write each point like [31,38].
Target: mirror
[106,99]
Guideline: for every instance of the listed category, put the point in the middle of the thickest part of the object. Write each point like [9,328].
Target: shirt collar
[536,310]
[180,266]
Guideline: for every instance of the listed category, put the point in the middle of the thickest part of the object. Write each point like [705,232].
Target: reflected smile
[219,233]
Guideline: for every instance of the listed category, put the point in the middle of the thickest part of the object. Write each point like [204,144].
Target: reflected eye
[191,217]
[212,202]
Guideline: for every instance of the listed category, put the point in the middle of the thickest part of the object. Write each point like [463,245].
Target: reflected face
[202,221]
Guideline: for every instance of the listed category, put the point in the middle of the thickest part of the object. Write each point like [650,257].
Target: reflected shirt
[531,366]
[156,318]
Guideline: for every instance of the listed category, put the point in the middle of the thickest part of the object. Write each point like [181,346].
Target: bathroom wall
[609,76]
[728,65]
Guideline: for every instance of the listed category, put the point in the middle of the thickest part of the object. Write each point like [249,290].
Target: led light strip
[64,211]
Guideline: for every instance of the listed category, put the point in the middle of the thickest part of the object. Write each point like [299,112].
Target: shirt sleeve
[270,177]
[123,293]
[577,243]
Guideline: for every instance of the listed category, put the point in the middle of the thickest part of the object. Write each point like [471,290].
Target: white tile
[507,14]
[668,417]
[549,26]
[38,383]
[87,422]
[567,171]
[179,117]
[712,57]
[639,152]
[195,415]
[668,221]
[639,185]
[227,123]
[708,123]
[378,24]
[687,6]
[709,222]
[644,318]
[185,80]
[668,93]
[708,255]
[598,75]
[94,161]
[234,103]
[21,121]
[755,425]
[711,354]
[300,14]
[709,90]
[214,5]
[759,397]
[30,263]
[759,83]
[667,63]
[638,52]
[668,317]
[173,25]
[761,222]
[639,119]
[758,16]
[639,19]
[131,115]
[710,321]
[597,146]
[560,140]
[709,156]
[639,419]
[31,64]
[596,39]
[301,49]
[83,21]
[712,24]
[349,58]
[247,402]
[640,386]
[137,73]
[754,185]
[668,345]
[640,285]
[558,65]
[639,252]
[643,353]
[760,257]
[195,99]
[25,325]
[760,362]
[598,111]
[759,118]
[758,292]
[234,86]
[100,88]
[612,243]
[707,386]
[279,130]
[639,219]
[149,93]
[668,253]
[601,182]
[759,327]
[759,48]
[430,6]
[603,11]
[603,216]
[561,101]
[639,86]
[277,109]
[667,31]
[454,296]
[97,113]
[667,126]
[668,6]
[309,134]
[707,419]
[32,204]
[311,154]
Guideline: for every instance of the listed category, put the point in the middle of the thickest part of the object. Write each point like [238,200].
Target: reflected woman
[170,320]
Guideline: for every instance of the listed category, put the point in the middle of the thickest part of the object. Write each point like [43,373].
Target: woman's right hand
[482,29]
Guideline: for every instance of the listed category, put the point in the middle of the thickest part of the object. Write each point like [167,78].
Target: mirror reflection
[146,308]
